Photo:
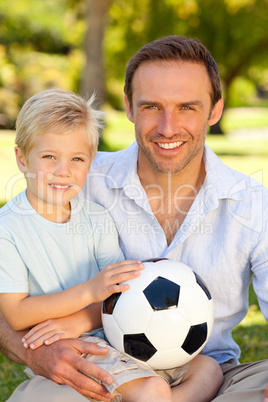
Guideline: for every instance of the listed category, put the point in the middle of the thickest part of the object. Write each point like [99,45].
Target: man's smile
[170,145]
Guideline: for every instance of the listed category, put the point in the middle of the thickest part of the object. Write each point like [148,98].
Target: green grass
[244,154]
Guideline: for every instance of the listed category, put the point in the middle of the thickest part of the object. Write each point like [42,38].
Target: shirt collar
[220,182]
[124,170]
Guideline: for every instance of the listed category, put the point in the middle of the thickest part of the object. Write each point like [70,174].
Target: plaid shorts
[124,369]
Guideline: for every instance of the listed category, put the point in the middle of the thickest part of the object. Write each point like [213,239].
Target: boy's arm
[21,311]
[71,326]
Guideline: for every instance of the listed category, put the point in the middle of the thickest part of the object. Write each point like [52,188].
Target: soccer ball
[164,319]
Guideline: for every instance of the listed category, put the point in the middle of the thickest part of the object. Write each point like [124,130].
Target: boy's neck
[51,212]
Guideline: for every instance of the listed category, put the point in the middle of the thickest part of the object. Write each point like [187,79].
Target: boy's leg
[244,382]
[201,383]
[154,389]
[132,380]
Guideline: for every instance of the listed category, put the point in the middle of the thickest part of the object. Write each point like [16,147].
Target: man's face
[171,113]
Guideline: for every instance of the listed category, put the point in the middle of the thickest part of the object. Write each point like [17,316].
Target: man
[170,196]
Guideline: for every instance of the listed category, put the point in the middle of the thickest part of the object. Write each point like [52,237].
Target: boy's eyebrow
[74,152]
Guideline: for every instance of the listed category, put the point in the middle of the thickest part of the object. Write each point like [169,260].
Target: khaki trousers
[242,383]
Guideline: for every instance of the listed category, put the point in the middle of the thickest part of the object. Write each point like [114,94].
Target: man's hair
[57,111]
[174,48]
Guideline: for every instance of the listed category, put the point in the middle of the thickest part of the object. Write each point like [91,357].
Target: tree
[94,71]
[235,32]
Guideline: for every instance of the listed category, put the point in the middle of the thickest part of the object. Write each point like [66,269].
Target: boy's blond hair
[57,111]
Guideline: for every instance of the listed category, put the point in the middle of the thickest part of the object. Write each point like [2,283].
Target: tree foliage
[235,31]
[48,43]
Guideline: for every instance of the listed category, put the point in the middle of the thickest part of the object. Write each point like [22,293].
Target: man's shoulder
[106,160]
[90,210]
[230,182]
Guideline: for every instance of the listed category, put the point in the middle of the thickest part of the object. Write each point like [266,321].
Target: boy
[54,265]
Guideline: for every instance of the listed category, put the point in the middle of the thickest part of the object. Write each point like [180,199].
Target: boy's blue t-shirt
[38,256]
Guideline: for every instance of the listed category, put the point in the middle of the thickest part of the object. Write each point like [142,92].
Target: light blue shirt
[38,256]
[224,237]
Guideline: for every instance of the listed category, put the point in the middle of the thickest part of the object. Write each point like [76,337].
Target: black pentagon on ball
[197,335]
[162,294]
[109,304]
[139,346]
[202,284]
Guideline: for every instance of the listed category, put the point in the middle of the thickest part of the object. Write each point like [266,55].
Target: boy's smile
[56,170]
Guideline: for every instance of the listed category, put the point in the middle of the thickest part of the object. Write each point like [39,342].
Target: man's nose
[169,124]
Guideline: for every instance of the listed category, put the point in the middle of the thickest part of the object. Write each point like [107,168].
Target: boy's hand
[50,331]
[108,281]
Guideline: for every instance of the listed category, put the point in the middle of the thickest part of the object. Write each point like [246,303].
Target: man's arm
[61,362]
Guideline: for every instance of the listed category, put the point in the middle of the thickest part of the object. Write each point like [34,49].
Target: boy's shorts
[124,369]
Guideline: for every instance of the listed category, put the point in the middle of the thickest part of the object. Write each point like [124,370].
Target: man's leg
[245,382]
[40,389]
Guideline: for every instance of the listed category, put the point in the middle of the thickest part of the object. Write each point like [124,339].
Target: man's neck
[172,195]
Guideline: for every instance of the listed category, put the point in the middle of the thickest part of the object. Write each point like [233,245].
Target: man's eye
[186,108]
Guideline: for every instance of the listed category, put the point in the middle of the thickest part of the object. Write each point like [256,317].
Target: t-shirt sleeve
[13,272]
[108,250]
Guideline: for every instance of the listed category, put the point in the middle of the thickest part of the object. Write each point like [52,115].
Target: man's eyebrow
[144,102]
[192,103]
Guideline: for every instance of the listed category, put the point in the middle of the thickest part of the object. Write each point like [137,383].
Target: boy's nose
[62,169]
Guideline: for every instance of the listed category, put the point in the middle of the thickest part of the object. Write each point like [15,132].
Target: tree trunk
[94,74]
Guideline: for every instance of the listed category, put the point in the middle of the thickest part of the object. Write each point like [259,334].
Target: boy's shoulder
[12,207]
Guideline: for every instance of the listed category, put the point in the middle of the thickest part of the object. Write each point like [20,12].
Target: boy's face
[56,170]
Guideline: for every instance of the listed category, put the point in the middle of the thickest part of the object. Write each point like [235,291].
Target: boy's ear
[21,162]
[128,111]
[216,113]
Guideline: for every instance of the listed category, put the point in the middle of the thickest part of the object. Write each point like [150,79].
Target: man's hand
[62,363]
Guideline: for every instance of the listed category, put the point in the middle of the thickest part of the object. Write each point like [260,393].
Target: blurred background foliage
[84,45]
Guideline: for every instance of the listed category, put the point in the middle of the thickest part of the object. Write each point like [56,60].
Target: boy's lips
[60,186]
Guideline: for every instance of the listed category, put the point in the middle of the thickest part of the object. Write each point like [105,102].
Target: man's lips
[169,145]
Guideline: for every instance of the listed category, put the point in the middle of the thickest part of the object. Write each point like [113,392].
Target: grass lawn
[246,154]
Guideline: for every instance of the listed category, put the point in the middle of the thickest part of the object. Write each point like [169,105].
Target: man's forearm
[11,344]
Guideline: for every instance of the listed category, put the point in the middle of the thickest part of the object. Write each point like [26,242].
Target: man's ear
[216,113]
[128,110]
[21,161]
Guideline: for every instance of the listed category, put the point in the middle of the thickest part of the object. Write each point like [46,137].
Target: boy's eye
[78,159]
[48,156]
